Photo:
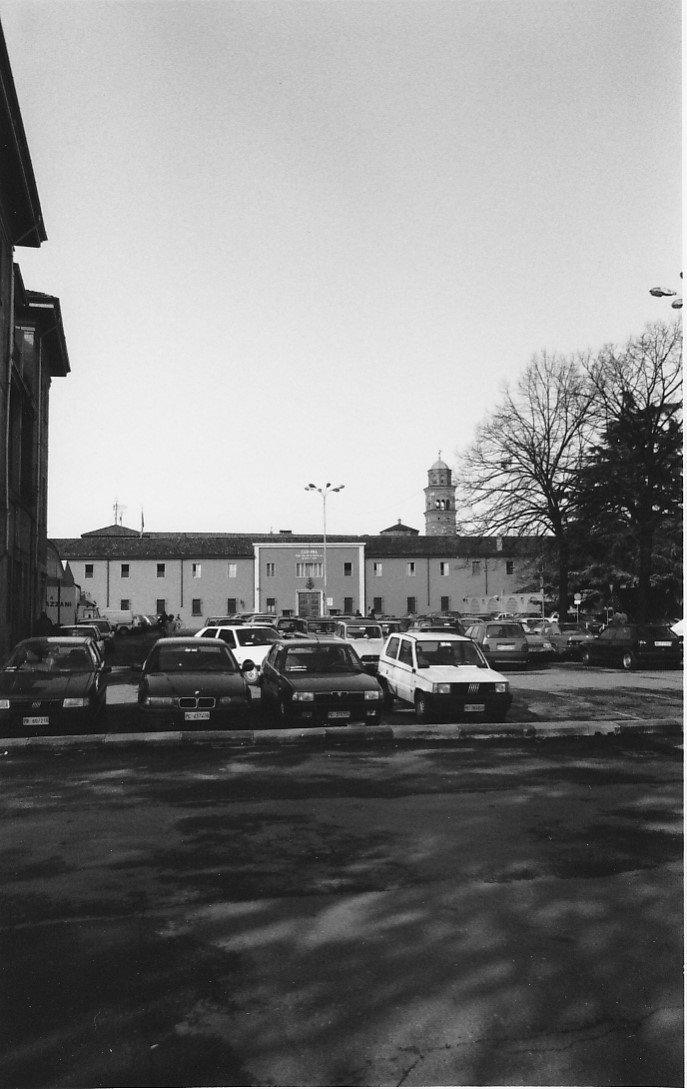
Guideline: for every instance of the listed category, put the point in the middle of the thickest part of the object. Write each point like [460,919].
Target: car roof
[311,641]
[421,634]
[76,640]
[192,639]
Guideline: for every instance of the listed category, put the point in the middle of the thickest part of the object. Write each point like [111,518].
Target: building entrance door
[309,603]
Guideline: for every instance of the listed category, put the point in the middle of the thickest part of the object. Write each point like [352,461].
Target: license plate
[505,646]
[36,720]
[196,716]
[474,706]
[663,644]
[339,714]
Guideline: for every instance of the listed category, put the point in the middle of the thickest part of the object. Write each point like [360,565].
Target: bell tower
[440,501]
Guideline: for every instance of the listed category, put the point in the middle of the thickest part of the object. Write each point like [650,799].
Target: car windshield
[452,652]
[188,658]
[321,659]
[363,631]
[256,637]
[43,657]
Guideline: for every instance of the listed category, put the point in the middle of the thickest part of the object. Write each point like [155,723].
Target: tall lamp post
[324,492]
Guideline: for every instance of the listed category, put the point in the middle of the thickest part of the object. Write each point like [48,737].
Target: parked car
[86,631]
[213,621]
[633,646]
[191,683]
[366,638]
[247,641]
[121,620]
[292,626]
[539,646]
[103,626]
[568,639]
[312,682]
[439,623]
[52,684]
[390,624]
[503,641]
[322,625]
[441,674]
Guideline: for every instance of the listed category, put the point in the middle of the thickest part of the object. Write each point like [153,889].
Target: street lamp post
[324,492]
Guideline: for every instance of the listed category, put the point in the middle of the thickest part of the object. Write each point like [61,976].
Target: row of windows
[303,570]
[196,606]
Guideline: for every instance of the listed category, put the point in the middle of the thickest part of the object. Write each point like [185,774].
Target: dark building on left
[32,352]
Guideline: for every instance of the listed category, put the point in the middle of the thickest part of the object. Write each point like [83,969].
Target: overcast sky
[301,242]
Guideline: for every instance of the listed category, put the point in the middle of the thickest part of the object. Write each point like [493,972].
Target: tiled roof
[161,546]
[398,545]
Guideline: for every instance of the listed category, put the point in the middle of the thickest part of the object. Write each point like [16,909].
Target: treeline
[586,450]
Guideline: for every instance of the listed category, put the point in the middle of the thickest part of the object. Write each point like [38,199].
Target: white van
[121,620]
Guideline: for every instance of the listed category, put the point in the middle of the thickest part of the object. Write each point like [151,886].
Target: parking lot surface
[472,914]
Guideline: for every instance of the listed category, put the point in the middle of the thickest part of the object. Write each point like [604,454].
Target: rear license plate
[474,706]
[36,720]
[505,646]
[661,643]
[339,714]
[195,716]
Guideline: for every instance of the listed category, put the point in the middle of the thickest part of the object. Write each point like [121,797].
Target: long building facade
[395,574]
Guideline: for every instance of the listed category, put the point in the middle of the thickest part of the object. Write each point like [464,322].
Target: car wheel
[629,660]
[423,710]
[388,696]
[586,658]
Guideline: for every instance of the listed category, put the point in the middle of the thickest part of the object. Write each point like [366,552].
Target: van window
[406,653]
[392,648]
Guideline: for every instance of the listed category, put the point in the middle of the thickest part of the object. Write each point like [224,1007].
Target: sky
[312,242]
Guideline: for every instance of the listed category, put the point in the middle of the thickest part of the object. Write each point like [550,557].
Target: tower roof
[439,464]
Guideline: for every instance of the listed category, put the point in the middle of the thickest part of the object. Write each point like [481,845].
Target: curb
[333,736]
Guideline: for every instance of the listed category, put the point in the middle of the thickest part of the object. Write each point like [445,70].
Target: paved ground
[466,914]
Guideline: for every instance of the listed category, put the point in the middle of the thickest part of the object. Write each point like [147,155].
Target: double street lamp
[667,292]
[324,492]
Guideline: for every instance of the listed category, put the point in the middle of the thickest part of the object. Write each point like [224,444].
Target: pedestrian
[177,623]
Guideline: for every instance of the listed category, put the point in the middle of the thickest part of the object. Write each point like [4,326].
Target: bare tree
[518,475]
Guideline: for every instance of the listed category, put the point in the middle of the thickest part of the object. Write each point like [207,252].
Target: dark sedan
[189,683]
[313,682]
[634,645]
[51,685]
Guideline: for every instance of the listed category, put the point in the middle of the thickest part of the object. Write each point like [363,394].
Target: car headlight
[442,688]
[501,686]
[158,701]
[74,701]
[4,705]
[373,695]
[303,697]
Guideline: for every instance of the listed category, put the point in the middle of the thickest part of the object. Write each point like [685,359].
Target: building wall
[279,583]
[452,583]
[212,585]
[465,575]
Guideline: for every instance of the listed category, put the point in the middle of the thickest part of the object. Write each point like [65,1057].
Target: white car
[441,675]
[247,641]
[365,636]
